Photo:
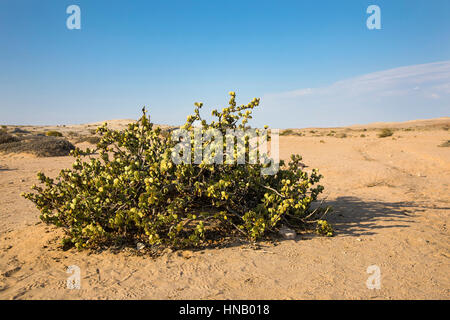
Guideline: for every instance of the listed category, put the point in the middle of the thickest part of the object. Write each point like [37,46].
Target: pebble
[287,233]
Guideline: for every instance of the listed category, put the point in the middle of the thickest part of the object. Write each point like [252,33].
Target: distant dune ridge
[119,124]
[436,122]
[419,123]
[442,121]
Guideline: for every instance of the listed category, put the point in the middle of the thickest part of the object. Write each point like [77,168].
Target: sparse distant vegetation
[133,191]
[290,132]
[20,131]
[40,146]
[341,135]
[72,134]
[89,139]
[53,133]
[445,144]
[7,138]
[385,133]
[287,132]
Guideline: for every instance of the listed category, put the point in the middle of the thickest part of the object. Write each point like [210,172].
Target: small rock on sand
[140,246]
[287,233]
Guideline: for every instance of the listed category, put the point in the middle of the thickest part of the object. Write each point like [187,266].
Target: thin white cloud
[417,91]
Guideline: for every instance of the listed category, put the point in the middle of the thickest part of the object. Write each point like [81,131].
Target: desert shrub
[72,134]
[324,228]
[290,132]
[89,139]
[53,133]
[287,132]
[133,191]
[341,135]
[7,138]
[40,146]
[385,133]
[445,144]
[20,131]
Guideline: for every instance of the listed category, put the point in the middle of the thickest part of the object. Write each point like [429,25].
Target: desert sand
[391,200]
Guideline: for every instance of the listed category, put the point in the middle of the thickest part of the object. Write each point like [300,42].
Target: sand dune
[430,123]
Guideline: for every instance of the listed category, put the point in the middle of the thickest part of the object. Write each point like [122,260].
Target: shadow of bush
[355,217]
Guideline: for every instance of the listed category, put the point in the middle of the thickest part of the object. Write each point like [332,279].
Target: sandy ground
[392,202]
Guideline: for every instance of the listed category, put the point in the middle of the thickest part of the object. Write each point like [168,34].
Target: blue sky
[313,63]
